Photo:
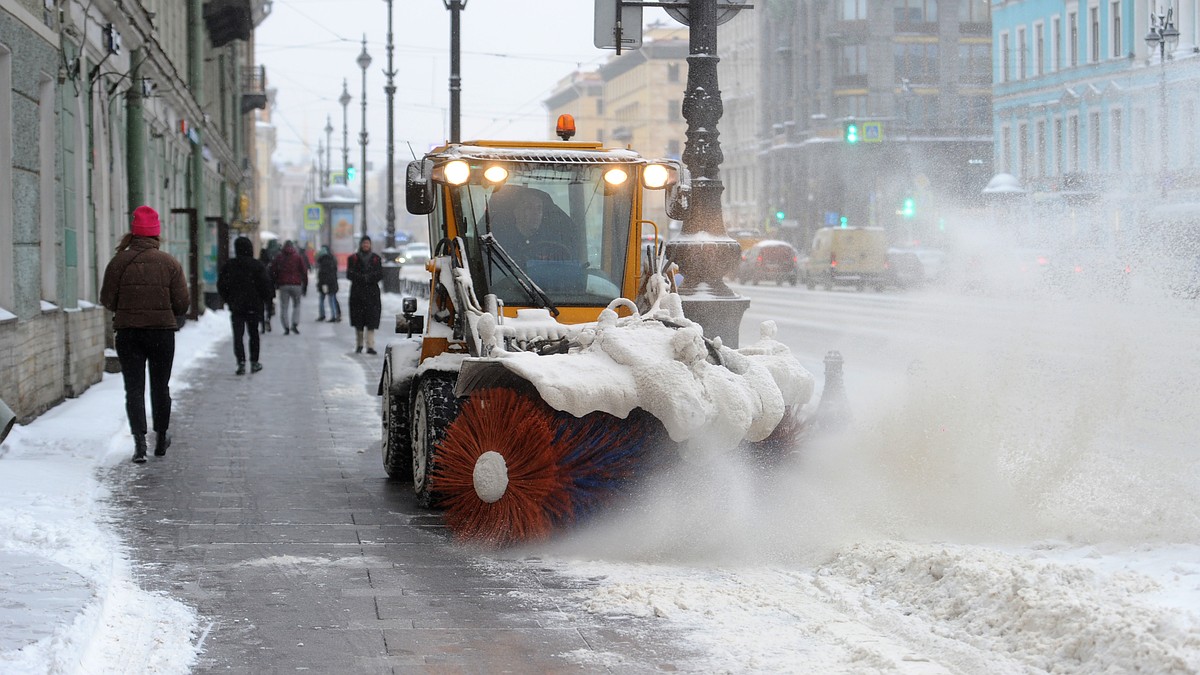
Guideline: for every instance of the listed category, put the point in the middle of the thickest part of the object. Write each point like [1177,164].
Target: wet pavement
[272,516]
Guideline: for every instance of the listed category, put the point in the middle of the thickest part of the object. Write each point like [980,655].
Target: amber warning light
[566,127]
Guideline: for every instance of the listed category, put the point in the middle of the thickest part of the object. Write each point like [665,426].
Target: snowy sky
[513,54]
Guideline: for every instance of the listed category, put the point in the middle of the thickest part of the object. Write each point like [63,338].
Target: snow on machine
[555,364]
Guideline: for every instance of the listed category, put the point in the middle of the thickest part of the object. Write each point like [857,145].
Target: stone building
[104,106]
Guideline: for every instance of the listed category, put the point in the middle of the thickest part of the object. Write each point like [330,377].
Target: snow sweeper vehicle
[554,363]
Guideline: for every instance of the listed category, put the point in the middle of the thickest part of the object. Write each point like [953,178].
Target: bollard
[833,412]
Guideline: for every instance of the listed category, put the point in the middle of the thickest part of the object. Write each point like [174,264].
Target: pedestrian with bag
[364,269]
[246,287]
[327,285]
[290,274]
[146,291]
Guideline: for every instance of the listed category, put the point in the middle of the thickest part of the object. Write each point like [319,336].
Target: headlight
[615,176]
[496,174]
[655,176]
[456,172]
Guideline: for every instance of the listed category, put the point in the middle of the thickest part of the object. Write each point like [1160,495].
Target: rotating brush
[784,440]
[513,470]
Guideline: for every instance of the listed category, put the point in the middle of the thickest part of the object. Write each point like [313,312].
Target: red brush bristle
[519,429]
[783,440]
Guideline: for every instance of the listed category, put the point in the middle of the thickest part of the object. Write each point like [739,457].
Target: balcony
[254,88]
[228,20]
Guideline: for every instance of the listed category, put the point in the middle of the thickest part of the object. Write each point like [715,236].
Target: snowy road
[1018,495]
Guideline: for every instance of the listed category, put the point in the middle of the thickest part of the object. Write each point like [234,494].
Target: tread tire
[434,408]
[397,439]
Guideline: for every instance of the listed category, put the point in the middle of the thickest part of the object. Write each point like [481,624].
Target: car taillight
[1128,269]
[832,260]
[760,259]
[1041,260]
[1079,268]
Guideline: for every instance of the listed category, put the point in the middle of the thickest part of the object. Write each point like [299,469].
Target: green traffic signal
[909,209]
[351,173]
[844,221]
[851,134]
[780,215]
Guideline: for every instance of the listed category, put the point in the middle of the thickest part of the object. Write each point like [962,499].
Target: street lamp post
[1164,35]
[328,150]
[455,7]
[390,90]
[364,62]
[344,99]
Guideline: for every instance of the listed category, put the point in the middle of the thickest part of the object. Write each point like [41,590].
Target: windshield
[561,224]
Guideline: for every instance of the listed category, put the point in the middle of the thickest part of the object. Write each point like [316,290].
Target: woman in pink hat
[145,289]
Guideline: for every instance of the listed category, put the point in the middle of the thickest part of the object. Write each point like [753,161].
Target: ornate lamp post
[390,90]
[455,7]
[364,62]
[1164,36]
[344,99]
[328,150]
[704,250]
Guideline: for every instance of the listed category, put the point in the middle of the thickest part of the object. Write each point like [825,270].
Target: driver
[530,226]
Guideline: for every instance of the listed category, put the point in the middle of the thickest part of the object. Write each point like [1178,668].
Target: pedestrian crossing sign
[314,215]
[872,132]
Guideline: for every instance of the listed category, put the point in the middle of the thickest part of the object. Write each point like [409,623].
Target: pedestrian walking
[266,255]
[246,287]
[364,269]
[145,290]
[327,285]
[290,274]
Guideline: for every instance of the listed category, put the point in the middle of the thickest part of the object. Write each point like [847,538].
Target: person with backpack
[327,285]
[290,274]
[246,287]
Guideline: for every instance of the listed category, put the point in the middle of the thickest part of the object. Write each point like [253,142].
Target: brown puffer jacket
[144,287]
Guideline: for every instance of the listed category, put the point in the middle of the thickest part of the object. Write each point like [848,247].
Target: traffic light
[351,173]
[909,209]
[780,215]
[850,132]
[844,222]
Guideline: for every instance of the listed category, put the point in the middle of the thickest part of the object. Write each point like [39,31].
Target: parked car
[769,260]
[416,253]
[904,268]
[854,256]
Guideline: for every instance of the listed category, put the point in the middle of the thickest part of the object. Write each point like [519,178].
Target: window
[1055,44]
[1073,41]
[1094,142]
[1023,148]
[1041,148]
[916,62]
[674,111]
[975,61]
[1006,149]
[853,10]
[1021,52]
[852,106]
[853,60]
[1073,142]
[46,212]
[7,291]
[673,72]
[1004,57]
[1094,33]
[1039,49]
[973,11]
[673,148]
[915,11]
[1116,29]
[974,111]
[1059,167]
[1115,142]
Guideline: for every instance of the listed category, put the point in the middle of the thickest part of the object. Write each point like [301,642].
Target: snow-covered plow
[557,365]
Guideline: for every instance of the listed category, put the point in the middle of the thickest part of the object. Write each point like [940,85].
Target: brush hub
[490,476]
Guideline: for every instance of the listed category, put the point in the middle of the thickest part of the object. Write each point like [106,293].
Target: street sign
[726,10]
[314,215]
[872,132]
[604,34]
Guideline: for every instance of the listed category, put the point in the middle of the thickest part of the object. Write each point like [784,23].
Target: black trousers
[242,324]
[137,348]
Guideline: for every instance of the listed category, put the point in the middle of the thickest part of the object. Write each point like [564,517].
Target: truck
[552,365]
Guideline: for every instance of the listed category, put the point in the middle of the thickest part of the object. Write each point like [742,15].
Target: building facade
[104,106]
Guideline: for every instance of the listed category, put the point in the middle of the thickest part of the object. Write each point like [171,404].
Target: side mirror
[418,187]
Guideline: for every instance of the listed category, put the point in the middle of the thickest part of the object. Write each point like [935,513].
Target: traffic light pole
[703,250]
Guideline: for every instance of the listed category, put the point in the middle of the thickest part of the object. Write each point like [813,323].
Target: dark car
[769,260]
[904,268]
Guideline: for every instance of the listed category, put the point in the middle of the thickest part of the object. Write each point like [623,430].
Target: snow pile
[661,364]
[53,504]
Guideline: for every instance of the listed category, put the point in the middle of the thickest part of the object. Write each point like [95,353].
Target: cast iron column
[364,62]
[704,251]
[390,90]
[455,7]
[345,99]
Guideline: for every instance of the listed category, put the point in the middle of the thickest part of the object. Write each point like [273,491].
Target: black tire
[397,439]
[434,408]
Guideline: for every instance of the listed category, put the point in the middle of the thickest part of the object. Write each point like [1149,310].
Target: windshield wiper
[512,269]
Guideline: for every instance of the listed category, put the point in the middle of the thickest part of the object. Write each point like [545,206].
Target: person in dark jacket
[266,255]
[290,274]
[146,290]
[364,269]
[245,286]
[327,285]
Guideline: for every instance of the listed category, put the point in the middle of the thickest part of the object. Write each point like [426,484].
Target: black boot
[161,443]
[139,448]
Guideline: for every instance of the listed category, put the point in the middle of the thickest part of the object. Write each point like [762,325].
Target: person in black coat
[246,287]
[364,269]
[327,285]
[266,255]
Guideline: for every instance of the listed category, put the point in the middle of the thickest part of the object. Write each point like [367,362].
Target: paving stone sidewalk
[272,516]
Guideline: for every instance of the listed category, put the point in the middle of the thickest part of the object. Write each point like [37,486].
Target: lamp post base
[706,298]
